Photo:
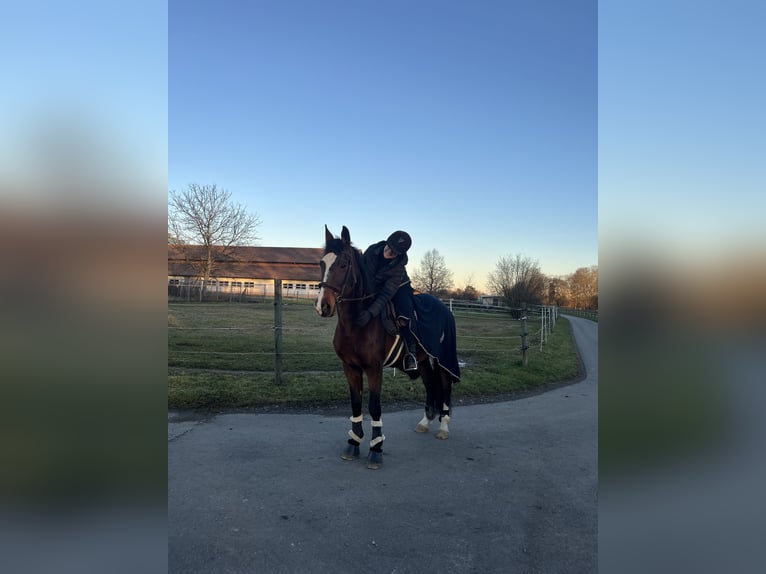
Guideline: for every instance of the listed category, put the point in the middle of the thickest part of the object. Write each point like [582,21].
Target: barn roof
[292,263]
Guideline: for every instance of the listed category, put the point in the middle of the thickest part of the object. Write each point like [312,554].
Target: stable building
[242,273]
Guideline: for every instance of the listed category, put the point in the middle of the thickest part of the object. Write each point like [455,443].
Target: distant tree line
[517,279]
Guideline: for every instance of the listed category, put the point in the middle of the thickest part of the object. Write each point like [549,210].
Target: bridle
[339,298]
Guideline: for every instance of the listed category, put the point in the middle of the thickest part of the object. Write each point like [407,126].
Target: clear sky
[682,129]
[473,126]
[84,91]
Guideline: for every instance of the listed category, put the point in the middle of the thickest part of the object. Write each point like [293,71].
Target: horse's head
[340,273]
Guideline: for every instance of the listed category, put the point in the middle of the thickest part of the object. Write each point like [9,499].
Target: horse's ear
[327,235]
[345,235]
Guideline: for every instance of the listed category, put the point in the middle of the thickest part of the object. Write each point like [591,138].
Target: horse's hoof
[351,452]
[421,428]
[374,459]
[444,435]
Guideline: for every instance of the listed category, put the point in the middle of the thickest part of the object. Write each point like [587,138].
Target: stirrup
[410,362]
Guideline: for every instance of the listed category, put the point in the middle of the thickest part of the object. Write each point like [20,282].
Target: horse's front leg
[356,434]
[374,383]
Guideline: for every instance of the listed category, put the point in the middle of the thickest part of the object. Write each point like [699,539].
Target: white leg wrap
[358,439]
[377,440]
[443,428]
[358,419]
[424,421]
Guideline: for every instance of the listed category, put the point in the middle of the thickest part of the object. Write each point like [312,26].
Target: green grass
[221,355]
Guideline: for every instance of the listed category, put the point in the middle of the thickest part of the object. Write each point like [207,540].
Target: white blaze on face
[328,261]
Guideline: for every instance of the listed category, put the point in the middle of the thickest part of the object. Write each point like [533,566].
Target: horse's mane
[366,279]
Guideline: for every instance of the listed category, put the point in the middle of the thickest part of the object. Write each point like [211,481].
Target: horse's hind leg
[431,397]
[446,395]
[356,434]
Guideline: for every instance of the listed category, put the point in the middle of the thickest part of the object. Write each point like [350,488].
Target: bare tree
[556,291]
[583,287]
[432,276]
[203,218]
[518,279]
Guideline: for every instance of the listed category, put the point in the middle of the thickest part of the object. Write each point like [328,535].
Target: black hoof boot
[351,452]
[374,459]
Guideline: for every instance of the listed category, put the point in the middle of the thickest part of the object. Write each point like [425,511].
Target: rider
[386,261]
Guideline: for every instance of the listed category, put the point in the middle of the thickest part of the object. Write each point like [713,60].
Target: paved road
[513,490]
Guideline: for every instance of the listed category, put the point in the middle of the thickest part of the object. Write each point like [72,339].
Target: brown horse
[366,350]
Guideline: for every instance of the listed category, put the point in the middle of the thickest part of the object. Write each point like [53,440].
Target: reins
[339,299]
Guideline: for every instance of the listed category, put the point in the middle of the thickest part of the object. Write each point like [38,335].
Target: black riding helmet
[399,242]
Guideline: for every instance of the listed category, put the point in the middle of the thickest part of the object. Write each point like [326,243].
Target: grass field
[221,355]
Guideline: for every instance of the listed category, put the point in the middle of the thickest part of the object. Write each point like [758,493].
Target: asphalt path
[513,489]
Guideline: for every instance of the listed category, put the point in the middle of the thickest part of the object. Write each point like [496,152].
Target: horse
[346,290]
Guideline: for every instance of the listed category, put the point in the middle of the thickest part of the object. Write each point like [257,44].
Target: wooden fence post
[278,331]
[524,346]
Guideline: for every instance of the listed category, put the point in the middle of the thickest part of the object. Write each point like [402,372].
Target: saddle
[391,322]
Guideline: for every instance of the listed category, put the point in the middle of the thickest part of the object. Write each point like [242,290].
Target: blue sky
[473,126]
[682,129]
[85,92]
